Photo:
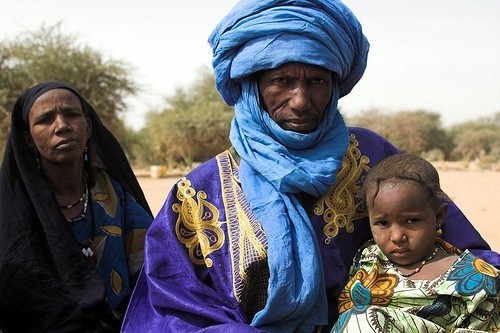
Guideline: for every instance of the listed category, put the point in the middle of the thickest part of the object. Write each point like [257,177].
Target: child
[407,279]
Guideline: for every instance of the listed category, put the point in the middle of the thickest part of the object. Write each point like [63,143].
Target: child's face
[404,221]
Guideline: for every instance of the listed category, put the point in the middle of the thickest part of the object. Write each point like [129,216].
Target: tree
[48,54]
[413,132]
[192,128]
[478,139]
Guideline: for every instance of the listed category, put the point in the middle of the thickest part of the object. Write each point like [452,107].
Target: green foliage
[478,140]
[413,132]
[433,155]
[420,132]
[48,54]
[192,128]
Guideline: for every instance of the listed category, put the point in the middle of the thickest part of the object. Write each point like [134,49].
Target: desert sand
[475,192]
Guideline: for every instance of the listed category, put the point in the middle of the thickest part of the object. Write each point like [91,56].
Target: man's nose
[300,99]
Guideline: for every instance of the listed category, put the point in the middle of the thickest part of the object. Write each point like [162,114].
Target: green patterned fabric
[377,298]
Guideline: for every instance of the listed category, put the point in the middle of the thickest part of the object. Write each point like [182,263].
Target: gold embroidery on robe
[247,241]
[197,225]
[339,206]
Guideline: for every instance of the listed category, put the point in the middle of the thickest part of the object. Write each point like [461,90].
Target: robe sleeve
[458,231]
[173,294]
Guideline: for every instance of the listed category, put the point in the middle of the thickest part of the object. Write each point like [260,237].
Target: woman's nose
[62,124]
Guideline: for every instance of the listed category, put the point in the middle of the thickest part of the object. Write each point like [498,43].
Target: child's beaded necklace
[416,270]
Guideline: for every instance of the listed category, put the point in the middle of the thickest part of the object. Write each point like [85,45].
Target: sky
[442,56]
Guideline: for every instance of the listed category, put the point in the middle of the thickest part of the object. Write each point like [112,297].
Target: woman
[73,218]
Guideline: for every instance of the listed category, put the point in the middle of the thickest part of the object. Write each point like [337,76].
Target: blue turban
[258,35]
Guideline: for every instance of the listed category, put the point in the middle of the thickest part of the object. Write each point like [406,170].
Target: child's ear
[441,214]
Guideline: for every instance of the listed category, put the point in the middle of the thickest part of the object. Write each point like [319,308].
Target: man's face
[296,95]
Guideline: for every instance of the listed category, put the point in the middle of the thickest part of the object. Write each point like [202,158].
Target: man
[260,237]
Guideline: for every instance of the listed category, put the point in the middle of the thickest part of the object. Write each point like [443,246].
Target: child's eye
[381,223]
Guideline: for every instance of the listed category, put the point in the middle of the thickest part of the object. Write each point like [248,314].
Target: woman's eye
[73,113]
[43,120]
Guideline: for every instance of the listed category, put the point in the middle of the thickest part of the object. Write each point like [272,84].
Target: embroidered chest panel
[197,225]
[248,242]
[338,206]
[200,229]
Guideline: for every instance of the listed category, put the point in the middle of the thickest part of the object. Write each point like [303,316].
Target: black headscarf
[46,282]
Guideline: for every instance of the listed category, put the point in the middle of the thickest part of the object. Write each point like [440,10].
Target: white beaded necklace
[85,199]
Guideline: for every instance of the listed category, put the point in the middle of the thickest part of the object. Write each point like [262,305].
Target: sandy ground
[475,192]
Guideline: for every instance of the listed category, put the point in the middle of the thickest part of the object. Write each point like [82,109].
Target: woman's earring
[439,232]
[85,154]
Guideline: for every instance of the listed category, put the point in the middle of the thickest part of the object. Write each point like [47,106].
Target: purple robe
[205,267]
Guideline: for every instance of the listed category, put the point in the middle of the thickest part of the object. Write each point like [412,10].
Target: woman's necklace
[73,204]
[79,199]
[85,199]
[416,270]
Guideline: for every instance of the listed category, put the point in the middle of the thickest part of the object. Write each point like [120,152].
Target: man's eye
[280,80]
[318,80]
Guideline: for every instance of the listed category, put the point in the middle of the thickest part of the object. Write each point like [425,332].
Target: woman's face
[58,128]
[296,95]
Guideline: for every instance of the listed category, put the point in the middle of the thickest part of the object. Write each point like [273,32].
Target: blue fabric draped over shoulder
[253,36]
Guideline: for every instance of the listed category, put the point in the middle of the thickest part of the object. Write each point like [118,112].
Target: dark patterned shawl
[46,283]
